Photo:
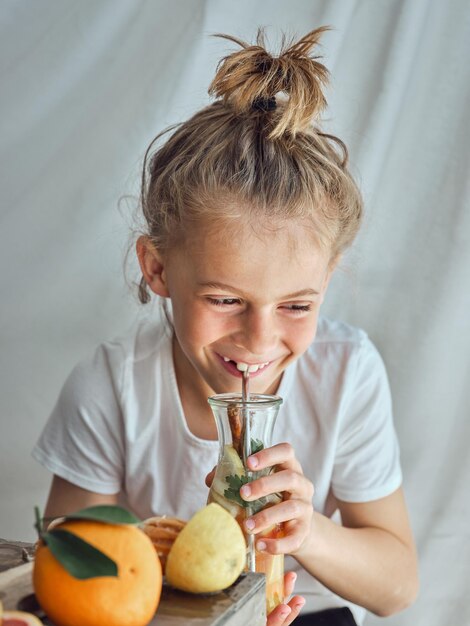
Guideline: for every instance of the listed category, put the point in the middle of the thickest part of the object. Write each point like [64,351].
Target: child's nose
[259,334]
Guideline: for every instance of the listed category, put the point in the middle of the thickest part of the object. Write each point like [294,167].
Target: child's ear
[152,265]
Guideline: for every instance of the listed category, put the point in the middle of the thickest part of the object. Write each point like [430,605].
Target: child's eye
[298,308]
[223,301]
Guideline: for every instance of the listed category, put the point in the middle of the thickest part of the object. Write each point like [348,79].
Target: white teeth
[226,360]
[244,367]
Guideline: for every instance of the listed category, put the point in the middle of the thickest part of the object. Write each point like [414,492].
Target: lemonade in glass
[235,419]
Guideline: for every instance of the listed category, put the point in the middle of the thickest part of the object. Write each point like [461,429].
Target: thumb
[210,477]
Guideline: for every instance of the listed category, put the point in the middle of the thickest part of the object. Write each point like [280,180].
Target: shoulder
[336,332]
[338,343]
[144,339]
[340,359]
[107,370]
[351,368]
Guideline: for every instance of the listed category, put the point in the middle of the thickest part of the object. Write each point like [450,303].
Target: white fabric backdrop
[86,85]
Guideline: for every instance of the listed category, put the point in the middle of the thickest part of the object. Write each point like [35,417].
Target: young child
[249,207]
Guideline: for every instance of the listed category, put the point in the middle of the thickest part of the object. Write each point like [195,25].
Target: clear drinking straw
[246,454]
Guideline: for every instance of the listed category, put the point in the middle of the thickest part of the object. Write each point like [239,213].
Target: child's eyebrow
[223,286]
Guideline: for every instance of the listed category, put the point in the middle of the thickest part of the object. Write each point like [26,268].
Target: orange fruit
[130,599]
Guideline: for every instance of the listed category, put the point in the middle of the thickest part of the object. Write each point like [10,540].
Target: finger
[282,455]
[285,614]
[296,605]
[286,511]
[287,480]
[279,615]
[210,477]
[291,543]
[289,583]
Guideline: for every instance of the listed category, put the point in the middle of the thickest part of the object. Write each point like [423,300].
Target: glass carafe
[245,428]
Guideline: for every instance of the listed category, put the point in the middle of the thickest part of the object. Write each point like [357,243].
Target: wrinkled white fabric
[84,88]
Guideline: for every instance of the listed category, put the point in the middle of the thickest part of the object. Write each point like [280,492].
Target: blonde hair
[258,146]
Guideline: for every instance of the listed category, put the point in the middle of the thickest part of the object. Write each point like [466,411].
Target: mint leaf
[79,558]
[235,483]
[256,446]
[105,513]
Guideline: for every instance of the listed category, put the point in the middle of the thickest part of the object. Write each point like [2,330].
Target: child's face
[252,299]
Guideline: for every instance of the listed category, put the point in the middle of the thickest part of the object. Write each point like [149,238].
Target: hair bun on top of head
[251,78]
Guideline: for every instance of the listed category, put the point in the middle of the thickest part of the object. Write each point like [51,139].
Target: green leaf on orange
[108,513]
[78,557]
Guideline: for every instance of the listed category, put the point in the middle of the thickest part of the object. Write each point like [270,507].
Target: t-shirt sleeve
[82,440]
[367,464]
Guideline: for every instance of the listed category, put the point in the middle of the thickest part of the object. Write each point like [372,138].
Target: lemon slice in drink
[229,465]
[232,507]
[232,460]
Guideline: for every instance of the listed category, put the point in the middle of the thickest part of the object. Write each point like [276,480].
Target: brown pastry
[162,531]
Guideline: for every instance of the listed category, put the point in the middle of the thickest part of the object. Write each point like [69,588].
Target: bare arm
[65,497]
[371,559]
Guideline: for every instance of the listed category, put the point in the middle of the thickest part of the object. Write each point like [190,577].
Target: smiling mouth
[238,367]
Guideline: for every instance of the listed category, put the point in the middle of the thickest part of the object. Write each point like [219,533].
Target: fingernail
[253,461]
[285,611]
[294,576]
[250,524]
[299,605]
[260,546]
[245,491]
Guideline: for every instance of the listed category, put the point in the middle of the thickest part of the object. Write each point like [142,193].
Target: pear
[209,554]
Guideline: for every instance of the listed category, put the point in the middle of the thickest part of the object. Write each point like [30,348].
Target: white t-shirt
[119,426]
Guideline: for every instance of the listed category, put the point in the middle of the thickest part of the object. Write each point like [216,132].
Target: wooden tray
[241,604]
